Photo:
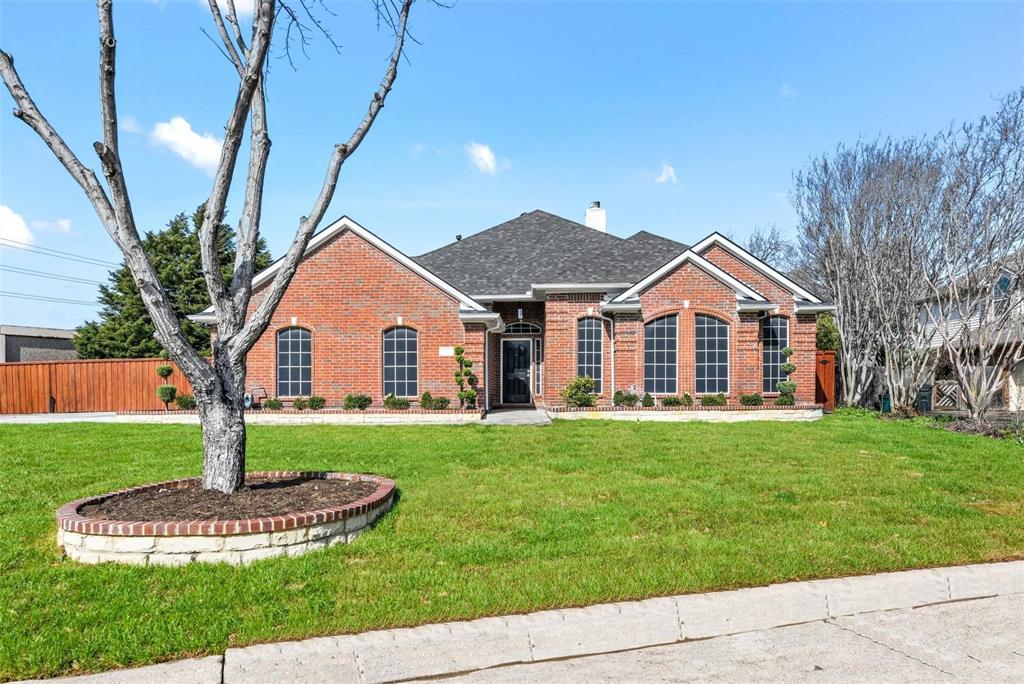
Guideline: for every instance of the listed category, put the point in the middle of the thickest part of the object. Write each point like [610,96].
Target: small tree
[164,371]
[166,393]
[466,379]
[787,388]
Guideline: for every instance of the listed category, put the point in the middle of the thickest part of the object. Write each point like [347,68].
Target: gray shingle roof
[538,247]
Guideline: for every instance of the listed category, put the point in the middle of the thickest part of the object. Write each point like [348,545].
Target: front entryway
[515,371]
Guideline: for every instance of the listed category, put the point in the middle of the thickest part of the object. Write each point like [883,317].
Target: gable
[744,265]
[741,290]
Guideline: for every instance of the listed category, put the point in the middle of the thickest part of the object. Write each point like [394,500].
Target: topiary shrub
[579,392]
[786,386]
[785,400]
[186,402]
[359,402]
[622,398]
[465,379]
[273,404]
[671,401]
[752,399]
[164,370]
[395,403]
[687,399]
[788,368]
[166,394]
[713,400]
[316,403]
[467,398]
[648,400]
[300,403]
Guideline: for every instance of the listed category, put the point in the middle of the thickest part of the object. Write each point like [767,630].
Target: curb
[438,650]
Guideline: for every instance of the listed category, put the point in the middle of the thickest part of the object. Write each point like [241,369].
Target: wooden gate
[825,379]
[78,386]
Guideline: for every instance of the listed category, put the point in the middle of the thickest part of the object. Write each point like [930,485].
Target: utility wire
[15,244]
[44,274]
[41,298]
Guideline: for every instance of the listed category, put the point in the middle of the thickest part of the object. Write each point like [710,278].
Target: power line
[41,298]
[15,244]
[44,274]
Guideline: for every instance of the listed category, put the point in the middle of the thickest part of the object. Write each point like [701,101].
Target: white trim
[33,331]
[755,263]
[342,224]
[699,261]
[487,317]
[813,308]
[756,306]
[538,291]
[501,370]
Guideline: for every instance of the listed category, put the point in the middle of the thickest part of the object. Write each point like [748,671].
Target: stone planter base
[718,415]
[235,542]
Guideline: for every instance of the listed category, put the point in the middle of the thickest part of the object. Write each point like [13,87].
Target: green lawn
[496,520]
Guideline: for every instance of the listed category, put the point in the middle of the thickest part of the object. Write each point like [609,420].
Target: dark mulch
[259,499]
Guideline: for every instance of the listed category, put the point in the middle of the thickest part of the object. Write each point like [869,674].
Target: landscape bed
[496,520]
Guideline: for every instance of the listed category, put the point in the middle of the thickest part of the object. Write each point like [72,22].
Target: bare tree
[219,387]
[769,245]
[977,295]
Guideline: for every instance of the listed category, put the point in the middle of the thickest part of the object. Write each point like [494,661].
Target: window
[294,363]
[521,328]
[538,366]
[661,349]
[712,355]
[401,362]
[589,332]
[1001,293]
[775,334]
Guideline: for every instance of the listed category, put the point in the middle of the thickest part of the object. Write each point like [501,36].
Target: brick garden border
[175,542]
[695,407]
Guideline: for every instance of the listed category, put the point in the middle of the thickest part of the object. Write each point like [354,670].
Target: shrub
[786,387]
[166,394]
[300,403]
[316,403]
[164,355]
[785,400]
[395,403]
[357,401]
[186,402]
[164,370]
[687,399]
[648,400]
[580,392]
[786,352]
[467,398]
[273,404]
[426,400]
[441,403]
[752,399]
[788,368]
[713,400]
[671,401]
[621,398]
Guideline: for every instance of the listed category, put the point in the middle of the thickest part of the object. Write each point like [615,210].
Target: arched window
[522,328]
[775,335]
[712,342]
[661,353]
[589,340]
[401,362]
[294,362]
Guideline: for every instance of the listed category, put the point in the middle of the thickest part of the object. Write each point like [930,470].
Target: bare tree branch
[260,318]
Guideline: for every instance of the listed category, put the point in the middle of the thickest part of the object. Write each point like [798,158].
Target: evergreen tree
[125,329]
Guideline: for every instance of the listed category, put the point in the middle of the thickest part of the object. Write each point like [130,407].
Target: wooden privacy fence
[825,379]
[75,386]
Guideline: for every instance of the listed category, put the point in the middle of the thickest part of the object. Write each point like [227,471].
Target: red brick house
[534,301]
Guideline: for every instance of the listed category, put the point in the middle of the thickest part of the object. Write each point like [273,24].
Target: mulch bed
[259,499]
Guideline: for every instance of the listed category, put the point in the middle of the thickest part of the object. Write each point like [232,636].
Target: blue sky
[682,118]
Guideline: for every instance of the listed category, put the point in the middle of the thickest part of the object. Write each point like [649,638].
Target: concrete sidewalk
[923,625]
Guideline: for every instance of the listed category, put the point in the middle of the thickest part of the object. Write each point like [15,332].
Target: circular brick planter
[177,542]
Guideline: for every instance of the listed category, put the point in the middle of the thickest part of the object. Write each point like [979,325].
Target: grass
[496,520]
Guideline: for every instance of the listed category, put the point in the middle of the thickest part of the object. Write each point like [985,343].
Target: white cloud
[418,149]
[129,124]
[787,90]
[62,226]
[244,8]
[12,226]
[199,150]
[482,157]
[668,174]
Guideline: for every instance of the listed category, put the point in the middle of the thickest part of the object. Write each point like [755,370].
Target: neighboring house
[25,343]
[535,302]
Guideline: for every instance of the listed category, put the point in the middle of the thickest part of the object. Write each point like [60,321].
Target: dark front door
[515,371]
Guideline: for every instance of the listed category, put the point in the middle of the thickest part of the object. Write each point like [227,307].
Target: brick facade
[348,293]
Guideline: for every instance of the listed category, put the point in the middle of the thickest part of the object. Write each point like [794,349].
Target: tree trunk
[222,416]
